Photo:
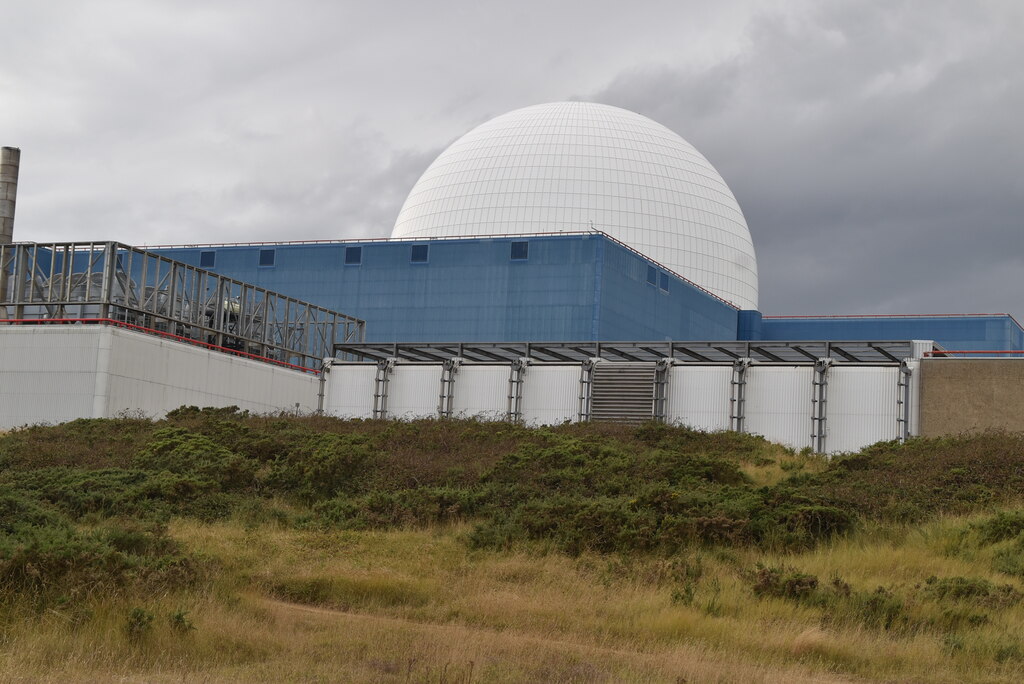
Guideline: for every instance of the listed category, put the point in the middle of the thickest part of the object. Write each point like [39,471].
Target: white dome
[577,166]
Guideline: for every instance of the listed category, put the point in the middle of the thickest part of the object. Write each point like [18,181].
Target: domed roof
[577,166]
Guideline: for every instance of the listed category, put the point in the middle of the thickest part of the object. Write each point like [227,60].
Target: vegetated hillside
[104,523]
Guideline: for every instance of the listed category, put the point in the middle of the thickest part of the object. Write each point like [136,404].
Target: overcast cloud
[874,145]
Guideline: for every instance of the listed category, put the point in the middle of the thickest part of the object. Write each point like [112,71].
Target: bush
[783,583]
[972,590]
[138,624]
[325,466]
[1000,527]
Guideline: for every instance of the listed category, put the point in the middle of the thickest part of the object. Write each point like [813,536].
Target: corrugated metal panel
[861,407]
[551,394]
[779,404]
[349,391]
[414,391]
[481,392]
[698,396]
[622,392]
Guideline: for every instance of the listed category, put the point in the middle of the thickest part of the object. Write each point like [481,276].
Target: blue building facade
[545,288]
[963,332]
[531,288]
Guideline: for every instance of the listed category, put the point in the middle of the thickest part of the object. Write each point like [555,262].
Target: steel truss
[111,281]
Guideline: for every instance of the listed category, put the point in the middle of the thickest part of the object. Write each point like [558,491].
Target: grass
[215,546]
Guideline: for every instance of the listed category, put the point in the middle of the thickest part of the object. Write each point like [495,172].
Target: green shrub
[783,583]
[1000,527]
[138,624]
[180,622]
[325,466]
[972,590]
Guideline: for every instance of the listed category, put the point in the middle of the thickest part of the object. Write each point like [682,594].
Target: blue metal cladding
[630,307]
[969,332]
[573,287]
[749,326]
[566,288]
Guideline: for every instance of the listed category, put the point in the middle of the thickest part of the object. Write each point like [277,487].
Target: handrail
[967,352]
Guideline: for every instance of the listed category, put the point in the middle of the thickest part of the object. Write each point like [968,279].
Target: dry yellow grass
[399,606]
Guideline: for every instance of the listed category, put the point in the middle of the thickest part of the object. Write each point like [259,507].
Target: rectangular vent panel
[623,392]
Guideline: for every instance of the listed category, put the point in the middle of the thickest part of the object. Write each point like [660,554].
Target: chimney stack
[10,159]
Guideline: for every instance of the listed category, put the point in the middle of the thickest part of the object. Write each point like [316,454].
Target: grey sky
[874,145]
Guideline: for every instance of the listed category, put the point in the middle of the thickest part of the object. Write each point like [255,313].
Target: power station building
[565,221]
[567,261]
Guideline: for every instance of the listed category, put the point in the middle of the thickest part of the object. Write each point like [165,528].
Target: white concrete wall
[56,373]
[698,396]
[551,394]
[413,391]
[47,373]
[861,406]
[481,392]
[349,391]
[778,404]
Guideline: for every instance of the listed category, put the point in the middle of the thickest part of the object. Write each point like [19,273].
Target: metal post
[515,389]
[587,387]
[109,266]
[819,404]
[903,401]
[21,277]
[738,394]
[448,370]
[380,387]
[325,369]
[661,373]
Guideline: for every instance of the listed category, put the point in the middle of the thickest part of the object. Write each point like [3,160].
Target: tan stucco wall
[963,395]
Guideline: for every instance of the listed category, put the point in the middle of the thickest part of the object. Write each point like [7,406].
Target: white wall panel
[349,391]
[551,394]
[698,396]
[47,374]
[58,373]
[413,391]
[155,375]
[481,392]
[779,403]
[861,407]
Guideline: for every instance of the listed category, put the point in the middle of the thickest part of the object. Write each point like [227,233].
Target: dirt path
[685,662]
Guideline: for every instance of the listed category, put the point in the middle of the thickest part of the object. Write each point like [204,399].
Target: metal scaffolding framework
[113,282]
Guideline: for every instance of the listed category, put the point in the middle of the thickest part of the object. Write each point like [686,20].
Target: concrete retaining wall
[967,395]
[57,373]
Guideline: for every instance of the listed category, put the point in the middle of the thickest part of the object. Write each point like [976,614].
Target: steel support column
[903,406]
[661,376]
[380,387]
[738,394]
[517,369]
[449,369]
[586,388]
[819,404]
